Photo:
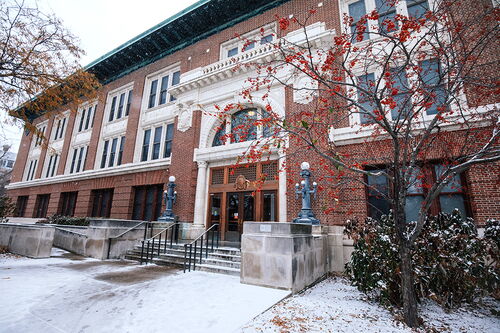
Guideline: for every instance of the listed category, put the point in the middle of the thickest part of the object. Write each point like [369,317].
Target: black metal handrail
[215,235]
[174,235]
[126,231]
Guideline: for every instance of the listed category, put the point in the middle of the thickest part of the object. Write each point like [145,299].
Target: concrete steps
[224,260]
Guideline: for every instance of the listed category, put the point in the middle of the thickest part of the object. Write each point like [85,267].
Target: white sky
[102,25]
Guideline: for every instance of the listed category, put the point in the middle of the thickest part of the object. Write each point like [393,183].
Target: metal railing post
[190,253]
[142,250]
[194,261]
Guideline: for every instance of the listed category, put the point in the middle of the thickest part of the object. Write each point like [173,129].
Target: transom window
[157,87]
[243,127]
[119,103]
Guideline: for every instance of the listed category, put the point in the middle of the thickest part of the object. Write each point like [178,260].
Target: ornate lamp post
[306,214]
[169,195]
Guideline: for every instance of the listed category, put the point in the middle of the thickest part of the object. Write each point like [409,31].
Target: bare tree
[39,70]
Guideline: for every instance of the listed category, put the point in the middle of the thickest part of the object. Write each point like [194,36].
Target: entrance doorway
[249,193]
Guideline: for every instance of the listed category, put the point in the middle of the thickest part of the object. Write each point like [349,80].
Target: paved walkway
[68,293]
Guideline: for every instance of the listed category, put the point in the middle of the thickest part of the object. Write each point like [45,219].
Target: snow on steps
[224,260]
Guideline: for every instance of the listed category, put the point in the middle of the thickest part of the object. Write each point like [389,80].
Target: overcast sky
[102,25]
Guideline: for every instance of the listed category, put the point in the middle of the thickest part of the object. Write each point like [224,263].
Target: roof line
[147,32]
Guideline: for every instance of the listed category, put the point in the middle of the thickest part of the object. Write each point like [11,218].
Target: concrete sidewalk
[69,293]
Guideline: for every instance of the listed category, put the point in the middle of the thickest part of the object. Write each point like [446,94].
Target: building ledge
[115,171]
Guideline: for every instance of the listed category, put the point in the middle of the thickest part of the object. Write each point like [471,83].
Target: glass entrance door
[240,208]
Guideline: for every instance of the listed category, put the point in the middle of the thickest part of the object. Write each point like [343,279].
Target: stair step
[222,263]
[223,256]
[218,269]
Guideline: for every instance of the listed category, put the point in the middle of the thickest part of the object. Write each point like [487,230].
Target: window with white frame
[78,159]
[40,133]
[60,126]
[248,41]
[157,142]
[30,175]
[51,169]
[86,115]
[112,152]
[387,10]
[157,86]
[428,82]
[118,103]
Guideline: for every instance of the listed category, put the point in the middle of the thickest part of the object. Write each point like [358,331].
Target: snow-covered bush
[451,263]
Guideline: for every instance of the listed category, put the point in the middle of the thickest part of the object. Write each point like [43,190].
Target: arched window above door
[243,127]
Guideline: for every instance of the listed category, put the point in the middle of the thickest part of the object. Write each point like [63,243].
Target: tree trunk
[407,287]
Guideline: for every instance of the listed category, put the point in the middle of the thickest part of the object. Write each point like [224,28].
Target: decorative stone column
[199,205]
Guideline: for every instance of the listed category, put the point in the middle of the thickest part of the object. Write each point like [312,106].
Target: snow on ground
[335,306]
[68,293]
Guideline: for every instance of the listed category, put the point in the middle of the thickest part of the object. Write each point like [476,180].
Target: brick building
[112,156]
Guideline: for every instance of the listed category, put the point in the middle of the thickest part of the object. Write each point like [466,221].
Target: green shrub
[6,208]
[66,220]
[451,263]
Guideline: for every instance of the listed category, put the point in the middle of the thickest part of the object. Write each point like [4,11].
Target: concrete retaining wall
[33,241]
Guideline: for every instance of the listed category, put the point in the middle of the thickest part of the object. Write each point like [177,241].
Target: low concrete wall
[340,248]
[282,255]
[98,239]
[73,239]
[33,241]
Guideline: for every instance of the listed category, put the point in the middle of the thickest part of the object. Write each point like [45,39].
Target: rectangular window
[378,192]
[176,79]
[21,203]
[62,128]
[163,90]
[452,195]
[402,98]
[414,196]
[31,171]
[57,130]
[129,102]
[145,145]
[266,39]
[80,160]
[47,173]
[433,85]
[120,151]
[232,52]
[366,82]
[156,143]
[113,152]
[101,202]
[73,160]
[82,119]
[147,202]
[112,110]
[54,166]
[120,106]
[89,115]
[152,94]
[104,154]
[417,8]
[387,11]
[169,135]
[67,203]
[356,11]
[41,205]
